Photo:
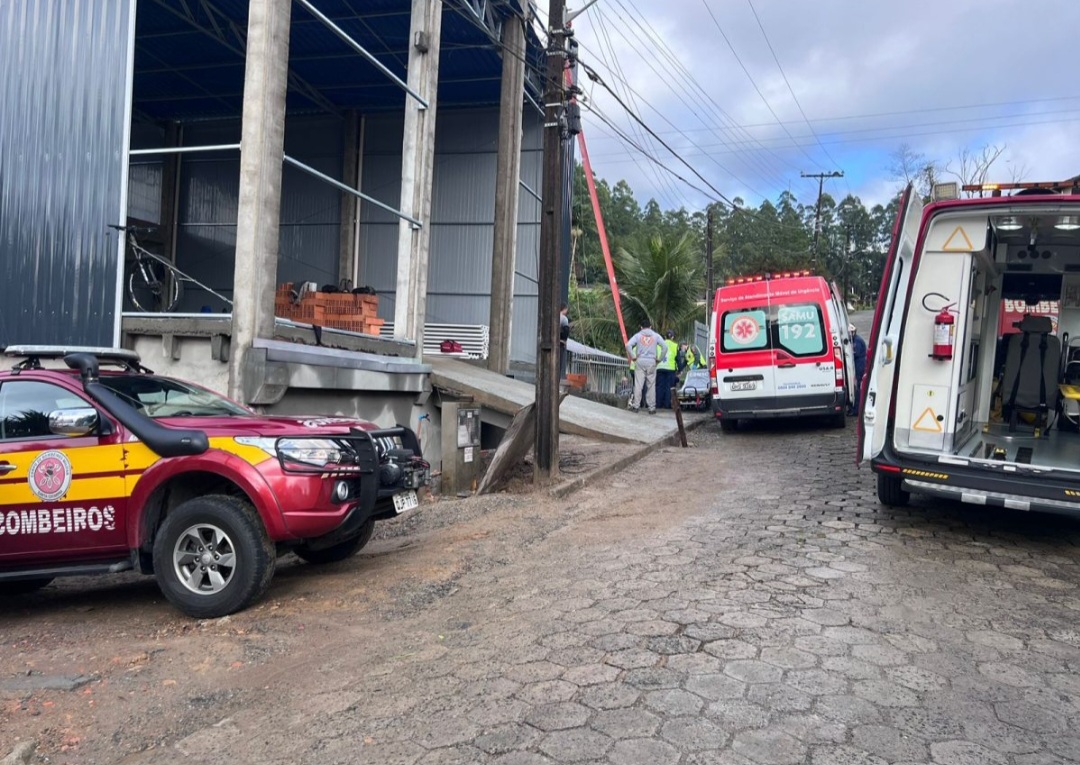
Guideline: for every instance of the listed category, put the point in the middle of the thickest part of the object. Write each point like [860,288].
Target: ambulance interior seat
[1032,364]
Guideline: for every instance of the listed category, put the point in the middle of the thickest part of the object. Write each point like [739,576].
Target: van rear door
[884,345]
[744,361]
[803,354]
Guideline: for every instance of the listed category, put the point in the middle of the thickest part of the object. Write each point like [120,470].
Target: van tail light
[838,362]
[713,387]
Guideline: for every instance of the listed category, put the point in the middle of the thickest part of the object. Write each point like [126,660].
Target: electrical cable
[791,90]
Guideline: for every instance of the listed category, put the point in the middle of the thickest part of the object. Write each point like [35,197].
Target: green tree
[662,282]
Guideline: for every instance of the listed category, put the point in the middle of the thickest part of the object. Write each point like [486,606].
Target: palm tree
[662,282]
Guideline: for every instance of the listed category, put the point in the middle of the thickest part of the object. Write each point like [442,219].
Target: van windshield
[795,328]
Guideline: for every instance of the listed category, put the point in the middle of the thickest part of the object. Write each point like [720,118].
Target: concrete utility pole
[262,143]
[817,215]
[546,446]
[708,262]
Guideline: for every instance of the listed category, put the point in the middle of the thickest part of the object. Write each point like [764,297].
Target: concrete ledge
[569,487]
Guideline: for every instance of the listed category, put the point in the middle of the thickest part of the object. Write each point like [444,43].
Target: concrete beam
[507,185]
[417,163]
[262,146]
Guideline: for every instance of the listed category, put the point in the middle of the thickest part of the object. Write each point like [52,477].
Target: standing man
[665,372]
[646,350]
[858,349]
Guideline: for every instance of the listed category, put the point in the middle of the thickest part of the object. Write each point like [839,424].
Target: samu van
[779,347]
[962,401]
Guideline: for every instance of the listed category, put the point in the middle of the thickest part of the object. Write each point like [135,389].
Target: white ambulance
[973,362]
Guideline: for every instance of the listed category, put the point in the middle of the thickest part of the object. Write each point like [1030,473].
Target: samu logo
[50,475]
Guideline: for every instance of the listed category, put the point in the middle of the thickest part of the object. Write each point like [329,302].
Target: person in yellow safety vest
[665,373]
[694,359]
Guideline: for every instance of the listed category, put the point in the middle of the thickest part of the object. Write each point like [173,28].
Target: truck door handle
[6,467]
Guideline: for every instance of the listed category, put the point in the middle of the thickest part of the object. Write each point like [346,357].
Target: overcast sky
[869,75]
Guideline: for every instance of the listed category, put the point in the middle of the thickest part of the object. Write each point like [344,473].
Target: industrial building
[394,144]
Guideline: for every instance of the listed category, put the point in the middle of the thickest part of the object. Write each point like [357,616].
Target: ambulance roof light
[1071,186]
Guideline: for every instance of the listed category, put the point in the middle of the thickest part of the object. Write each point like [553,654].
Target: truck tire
[891,491]
[729,426]
[340,551]
[213,557]
[23,586]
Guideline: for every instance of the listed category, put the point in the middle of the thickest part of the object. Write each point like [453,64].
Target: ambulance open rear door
[884,343]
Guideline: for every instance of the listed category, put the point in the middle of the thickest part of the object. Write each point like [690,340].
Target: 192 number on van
[805,331]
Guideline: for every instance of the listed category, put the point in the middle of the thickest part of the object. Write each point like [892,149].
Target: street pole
[708,266]
[546,445]
[817,214]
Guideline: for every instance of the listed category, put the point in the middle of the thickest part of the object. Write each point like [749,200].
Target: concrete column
[262,147]
[417,162]
[507,185]
[170,187]
[350,208]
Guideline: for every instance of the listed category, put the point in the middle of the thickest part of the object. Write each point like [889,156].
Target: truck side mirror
[73,422]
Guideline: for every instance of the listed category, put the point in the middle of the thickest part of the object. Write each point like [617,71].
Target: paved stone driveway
[796,621]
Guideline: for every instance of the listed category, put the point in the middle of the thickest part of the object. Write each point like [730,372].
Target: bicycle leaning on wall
[154,284]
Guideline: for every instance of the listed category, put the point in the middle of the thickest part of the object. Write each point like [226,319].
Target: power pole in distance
[817,215]
[546,445]
[708,265]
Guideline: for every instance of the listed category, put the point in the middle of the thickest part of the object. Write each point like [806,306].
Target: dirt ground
[138,677]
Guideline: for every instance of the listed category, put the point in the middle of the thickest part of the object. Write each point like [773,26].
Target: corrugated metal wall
[62,134]
[463,212]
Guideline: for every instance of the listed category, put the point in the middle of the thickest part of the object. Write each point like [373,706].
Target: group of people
[656,363]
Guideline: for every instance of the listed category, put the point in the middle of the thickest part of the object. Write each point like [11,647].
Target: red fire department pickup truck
[110,470]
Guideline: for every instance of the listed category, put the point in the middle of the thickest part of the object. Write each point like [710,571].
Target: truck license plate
[749,385]
[406,500]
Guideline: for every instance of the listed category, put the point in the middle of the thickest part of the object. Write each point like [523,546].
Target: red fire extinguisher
[944,334]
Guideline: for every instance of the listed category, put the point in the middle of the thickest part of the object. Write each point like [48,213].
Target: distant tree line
[660,255]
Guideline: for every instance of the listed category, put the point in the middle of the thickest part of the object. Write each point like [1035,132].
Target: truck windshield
[162,397]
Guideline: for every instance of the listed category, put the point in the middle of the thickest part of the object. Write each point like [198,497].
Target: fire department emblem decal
[50,475]
[745,330]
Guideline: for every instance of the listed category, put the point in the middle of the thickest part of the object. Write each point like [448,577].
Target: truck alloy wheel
[212,556]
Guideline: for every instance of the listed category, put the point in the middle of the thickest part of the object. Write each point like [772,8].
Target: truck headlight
[310,451]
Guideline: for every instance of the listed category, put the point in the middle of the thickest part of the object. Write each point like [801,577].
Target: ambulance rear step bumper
[993,498]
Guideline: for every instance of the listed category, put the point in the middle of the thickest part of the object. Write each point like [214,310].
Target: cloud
[939,76]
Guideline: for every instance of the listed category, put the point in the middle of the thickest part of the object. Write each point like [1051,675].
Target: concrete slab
[577,416]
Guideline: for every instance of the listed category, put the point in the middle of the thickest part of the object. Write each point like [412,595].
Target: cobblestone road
[793,620]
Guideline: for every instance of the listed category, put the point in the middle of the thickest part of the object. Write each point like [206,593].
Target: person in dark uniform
[858,348]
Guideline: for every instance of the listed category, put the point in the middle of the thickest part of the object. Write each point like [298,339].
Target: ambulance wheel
[891,491]
[23,586]
[339,552]
[213,557]
[729,426]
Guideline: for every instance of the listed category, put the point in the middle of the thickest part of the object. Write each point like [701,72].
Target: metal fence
[602,372]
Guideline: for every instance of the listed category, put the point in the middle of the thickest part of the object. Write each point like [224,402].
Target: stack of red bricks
[334,310]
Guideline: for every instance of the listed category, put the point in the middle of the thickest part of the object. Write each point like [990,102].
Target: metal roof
[189,56]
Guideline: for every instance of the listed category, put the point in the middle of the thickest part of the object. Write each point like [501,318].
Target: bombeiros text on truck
[116,469]
[973,368]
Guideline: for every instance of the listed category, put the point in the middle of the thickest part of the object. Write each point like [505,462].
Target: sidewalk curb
[568,488]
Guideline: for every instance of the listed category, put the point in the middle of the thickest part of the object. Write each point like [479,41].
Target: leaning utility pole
[817,215]
[546,445]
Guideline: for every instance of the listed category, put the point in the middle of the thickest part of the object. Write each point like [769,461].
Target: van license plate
[749,385]
[406,500]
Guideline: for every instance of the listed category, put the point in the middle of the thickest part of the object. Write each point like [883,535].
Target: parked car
[108,471]
[694,392]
